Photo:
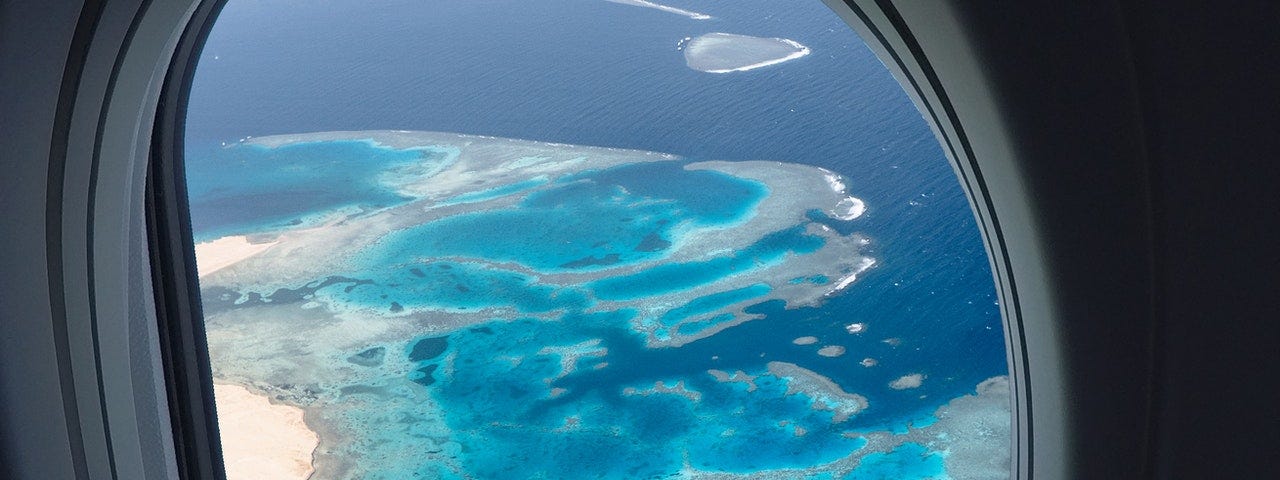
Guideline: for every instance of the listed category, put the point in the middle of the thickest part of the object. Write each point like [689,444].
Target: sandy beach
[226,251]
[262,441]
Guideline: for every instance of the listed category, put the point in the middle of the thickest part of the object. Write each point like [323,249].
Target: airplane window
[583,239]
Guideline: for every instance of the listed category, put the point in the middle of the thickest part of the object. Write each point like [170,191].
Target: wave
[665,8]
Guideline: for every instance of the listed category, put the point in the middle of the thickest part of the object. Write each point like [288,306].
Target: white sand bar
[261,440]
[727,52]
[226,251]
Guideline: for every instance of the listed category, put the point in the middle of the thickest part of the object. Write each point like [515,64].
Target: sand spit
[226,251]
[261,440]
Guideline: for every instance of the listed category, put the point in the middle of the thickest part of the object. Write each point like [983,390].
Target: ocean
[590,72]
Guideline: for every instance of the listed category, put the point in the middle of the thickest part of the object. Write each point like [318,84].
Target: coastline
[224,252]
[261,439]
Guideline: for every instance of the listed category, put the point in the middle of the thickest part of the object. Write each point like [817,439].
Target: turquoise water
[586,221]
[497,192]
[451,286]
[515,406]
[674,277]
[596,430]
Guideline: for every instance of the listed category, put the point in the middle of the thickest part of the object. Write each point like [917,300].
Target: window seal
[185,358]
[884,29]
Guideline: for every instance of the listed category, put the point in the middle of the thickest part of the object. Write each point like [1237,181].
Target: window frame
[188,371]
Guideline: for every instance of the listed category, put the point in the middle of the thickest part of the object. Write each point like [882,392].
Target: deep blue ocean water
[595,73]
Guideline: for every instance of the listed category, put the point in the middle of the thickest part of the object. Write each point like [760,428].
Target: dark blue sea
[589,72]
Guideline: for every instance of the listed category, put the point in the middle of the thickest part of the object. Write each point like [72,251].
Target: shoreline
[261,439]
[224,252]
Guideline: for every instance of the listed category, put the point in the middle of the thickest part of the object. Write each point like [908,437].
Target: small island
[726,52]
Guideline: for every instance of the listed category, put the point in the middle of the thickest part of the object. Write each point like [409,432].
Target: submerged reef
[686,245]
[824,393]
[531,309]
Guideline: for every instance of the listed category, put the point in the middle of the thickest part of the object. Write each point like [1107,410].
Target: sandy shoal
[226,251]
[261,440]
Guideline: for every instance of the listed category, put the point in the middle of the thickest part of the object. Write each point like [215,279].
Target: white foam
[800,52]
[833,180]
[844,282]
[862,266]
[849,208]
[665,8]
